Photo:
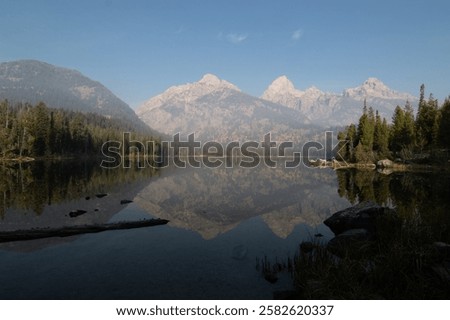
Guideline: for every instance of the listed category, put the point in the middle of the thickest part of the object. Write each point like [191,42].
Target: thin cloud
[236,38]
[297,34]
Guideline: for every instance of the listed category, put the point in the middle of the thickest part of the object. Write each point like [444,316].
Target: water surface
[221,222]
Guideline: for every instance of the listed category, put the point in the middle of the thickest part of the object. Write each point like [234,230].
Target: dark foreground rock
[361,216]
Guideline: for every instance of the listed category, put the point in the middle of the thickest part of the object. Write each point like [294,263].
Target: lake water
[222,221]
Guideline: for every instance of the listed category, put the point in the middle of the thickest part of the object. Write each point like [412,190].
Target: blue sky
[140,48]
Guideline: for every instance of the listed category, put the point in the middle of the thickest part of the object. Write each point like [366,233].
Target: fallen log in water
[32,234]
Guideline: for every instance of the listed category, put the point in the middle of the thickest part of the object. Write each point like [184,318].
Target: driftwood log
[32,234]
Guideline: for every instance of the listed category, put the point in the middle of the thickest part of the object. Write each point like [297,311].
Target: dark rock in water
[76,213]
[101,195]
[362,216]
[125,201]
[87,198]
[318,235]
[96,210]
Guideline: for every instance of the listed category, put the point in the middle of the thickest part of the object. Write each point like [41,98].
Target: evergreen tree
[366,127]
[398,123]
[38,126]
[409,133]
[426,121]
[444,126]
[381,137]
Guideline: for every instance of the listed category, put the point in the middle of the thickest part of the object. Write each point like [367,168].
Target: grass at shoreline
[401,263]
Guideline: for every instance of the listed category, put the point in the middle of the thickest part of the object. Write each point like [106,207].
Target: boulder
[361,216]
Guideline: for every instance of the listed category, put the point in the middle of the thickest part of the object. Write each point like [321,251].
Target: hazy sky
[140,48]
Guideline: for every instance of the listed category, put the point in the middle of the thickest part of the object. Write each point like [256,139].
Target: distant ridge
[217,109]
[33,81]
[332,109]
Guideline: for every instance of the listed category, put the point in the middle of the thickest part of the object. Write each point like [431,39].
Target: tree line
[409,136]
[38,131]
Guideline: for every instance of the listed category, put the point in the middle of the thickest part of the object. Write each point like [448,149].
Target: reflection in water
[423,196]
[213,201]
[221,220]
[62,193]
[36,185]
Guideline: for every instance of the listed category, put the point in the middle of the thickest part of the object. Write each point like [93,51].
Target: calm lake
[222,221]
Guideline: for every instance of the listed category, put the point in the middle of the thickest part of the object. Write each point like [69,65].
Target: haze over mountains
[216,109]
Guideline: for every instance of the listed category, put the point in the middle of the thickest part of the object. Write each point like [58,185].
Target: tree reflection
[35,185]
[420,196]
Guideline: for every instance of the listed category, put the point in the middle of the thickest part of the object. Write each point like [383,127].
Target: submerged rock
[76,213]
[125,201]
[362,216]
[101,195]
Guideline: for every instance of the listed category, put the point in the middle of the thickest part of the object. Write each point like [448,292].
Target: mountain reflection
[213,201]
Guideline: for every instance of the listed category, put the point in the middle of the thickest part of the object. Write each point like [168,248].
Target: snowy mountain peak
[213,81]
[373,82]
[281,90]
[282,84]
[210,79]
[313,90]
[326,108]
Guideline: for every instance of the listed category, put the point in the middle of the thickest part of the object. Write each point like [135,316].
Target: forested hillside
[38,131]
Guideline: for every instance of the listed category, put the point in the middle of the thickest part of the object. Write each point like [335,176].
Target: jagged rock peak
[374,88]
[374,83]
[214,81]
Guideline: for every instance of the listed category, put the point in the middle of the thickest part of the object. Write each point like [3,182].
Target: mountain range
[331,109]
[216,109]
[33,81]
[211,107]
[219,110]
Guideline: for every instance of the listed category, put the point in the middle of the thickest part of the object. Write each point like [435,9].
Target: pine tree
[444,125]
[409,133]
[398,123]
[38,126]
[426,121]
[381,137]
